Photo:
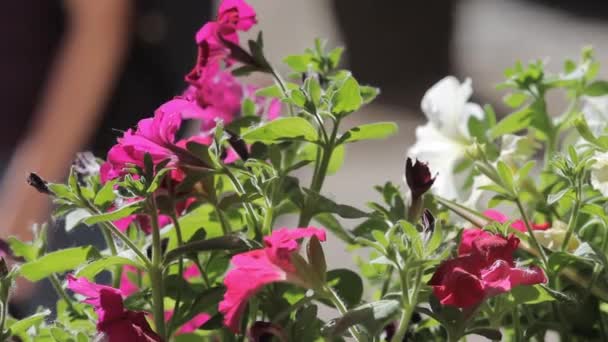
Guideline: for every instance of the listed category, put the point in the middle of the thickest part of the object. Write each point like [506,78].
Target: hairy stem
[333,297]
[156,273]
[537,245]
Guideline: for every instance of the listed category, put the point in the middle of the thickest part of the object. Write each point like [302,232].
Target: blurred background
[74,72]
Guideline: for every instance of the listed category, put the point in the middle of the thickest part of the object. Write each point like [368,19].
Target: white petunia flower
[595,111]
[443,140]
[599,172]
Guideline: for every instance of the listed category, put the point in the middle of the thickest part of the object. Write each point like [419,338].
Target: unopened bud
[418,177]
[38,183]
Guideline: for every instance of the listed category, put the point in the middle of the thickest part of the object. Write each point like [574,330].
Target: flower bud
[38,183]
[265,331]
[418,177]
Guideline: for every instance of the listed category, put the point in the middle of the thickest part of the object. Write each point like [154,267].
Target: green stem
[605,239]
[537,245]
[248,207]
[319,177]
[573,218]
[333,297]
[516,325]
[409,303]
[156,273]
[125,239]
[116,273]
[282,86]
[61,292]
[223,222]
[180,269]
[268,219]
[6,285]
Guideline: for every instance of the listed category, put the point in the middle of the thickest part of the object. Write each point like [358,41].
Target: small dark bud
[418,177]
[39,184]
[428,224]
[239,146]
[389,331]
[265,331]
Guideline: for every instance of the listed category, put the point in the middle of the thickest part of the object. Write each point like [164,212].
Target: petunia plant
[499,229]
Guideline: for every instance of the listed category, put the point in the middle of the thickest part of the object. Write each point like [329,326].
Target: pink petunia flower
[254,269]
[115,322]
[487,270]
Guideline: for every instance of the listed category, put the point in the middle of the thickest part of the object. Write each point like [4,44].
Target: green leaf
[413,236]
[373,131]
[74,218]
[372,316]
[506,176]
[228,242]
[291,128]
[325,205]
[515,100]
[334,56]
[336,160]
[369,94]
[23,325]
[58,262]
[93,268]
[553,198]
[274,90]
[105,196]
[328,221]
[583,129]
[514,122]
[298,63]
[122,212]
[347,98]
[158,179]
[21,249]
[308,152]
[347,284]
[597,88]
[528,295]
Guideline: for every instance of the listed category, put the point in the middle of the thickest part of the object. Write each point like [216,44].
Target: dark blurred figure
[403,47]
[70,72]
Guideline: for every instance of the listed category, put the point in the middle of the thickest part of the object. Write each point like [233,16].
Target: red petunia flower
[488,269]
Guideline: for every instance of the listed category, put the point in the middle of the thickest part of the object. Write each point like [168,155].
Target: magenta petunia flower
[154,136]
[217,95]
[116,323]
[254,269]
[233,16]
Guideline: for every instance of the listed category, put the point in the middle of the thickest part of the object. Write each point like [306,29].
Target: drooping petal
[501,277]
